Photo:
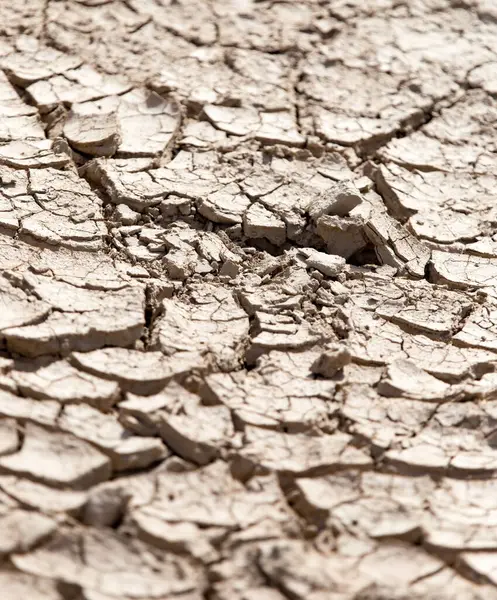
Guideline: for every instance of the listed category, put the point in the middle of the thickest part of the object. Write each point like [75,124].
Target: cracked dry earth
[248,287]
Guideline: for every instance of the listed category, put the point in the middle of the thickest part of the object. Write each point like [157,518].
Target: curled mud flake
[135,371]
[105,558]
[464,270]
[147,123]
[195,432]
[9,436]
[24,530]
[480,329]
[256,509]
[42,412]
[93,134]
[376,341]
[79,84]
[301,453]
[419,151]
[59,380]
[484,76]
[360,132]
[282,332]
[126,451]
[26,67]
[34,154]
[19,308]
[405,378]
[21,585]
[40,497]
[57,459]
[279,393]
[207,321]
[80,320]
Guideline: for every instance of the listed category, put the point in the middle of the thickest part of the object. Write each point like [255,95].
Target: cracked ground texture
[248,285]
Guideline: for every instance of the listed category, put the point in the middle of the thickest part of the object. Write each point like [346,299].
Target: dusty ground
[248,260]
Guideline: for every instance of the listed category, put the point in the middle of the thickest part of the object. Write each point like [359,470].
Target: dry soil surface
[248,287]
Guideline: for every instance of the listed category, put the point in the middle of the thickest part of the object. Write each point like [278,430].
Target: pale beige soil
[248,286]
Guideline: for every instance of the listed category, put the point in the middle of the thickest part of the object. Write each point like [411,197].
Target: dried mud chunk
[91,270]
[462,516]
[405,378]
[80,320]
[333,359]
[390,569]
[207,320]
[202,135]
[374,95]
[9,437]
[302,577]
[301,453]
[125,450]
[443,203]
[226,205]
[250,79]
[68,212]
[267,127]
[211,497]
[18,120]
[280,332]
[472,118]
[330,265]
[344,236]
[279,128]
[484,76]
[19,308]
[34,154]
[58,380]
[22,529]
[136,190]
[75,85]
[353,131]
[43,412]
[464,270]
[57,459]
[93,134]
[383,229]
[418,151]
[147,123]
[408,192]
[259,222]
[278,393]
[480,329]
[338,200]
[17,585]
[376,341]
[433,450]
[195,432]
[347,500]
[111,565]
[25,67]
[143,373]
[40,497]
[384,421]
